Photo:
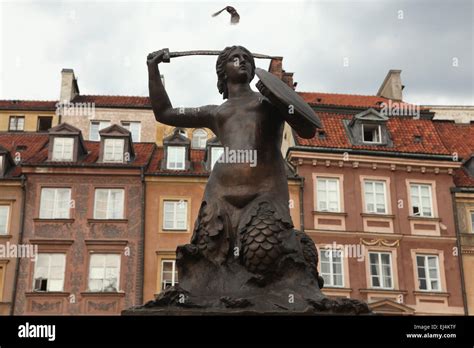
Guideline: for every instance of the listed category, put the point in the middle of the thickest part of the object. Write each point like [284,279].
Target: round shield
[299,110]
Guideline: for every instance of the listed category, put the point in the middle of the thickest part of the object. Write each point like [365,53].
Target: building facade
[83,215]
[378,205]
[459,139]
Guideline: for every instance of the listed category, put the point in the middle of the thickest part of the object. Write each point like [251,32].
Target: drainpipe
[458,244]
[141,262]
[301,204]
[20,241]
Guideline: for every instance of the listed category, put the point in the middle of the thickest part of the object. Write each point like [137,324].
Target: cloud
[106,43]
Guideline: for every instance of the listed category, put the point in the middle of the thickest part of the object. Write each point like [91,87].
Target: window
[113,150]
[44,123]
[108,204]
[17,123]
[216,153]
[95,127]
[381,270]
[55,203]
[199,139]
[428,272]
[104,272]
[134,128]
[1,164]
[472,221]
[331,267]
[371,133]
[175,215]
[375,199]
[327,193]
[421,203]
[63,149]
[169,274]
[175,158]
[49,272]
[4,214]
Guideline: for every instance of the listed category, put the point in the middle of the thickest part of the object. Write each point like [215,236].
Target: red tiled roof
[197,164]
[36,151]
[402,132]
[350,100]
[114,101]
[143,152]
[42,105]
[462,178]
[32,143]
[457,137]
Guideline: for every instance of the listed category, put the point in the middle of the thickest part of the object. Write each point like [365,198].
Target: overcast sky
[106,43]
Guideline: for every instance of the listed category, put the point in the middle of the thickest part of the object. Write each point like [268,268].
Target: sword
[168,55]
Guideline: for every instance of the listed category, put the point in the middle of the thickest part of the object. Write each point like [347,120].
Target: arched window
[199,139]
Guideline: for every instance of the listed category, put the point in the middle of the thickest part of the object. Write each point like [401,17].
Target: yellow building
[27,115]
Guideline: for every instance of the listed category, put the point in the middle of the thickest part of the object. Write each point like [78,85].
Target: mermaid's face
[239,67]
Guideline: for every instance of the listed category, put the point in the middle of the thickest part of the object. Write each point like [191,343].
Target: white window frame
[200,139]
[102,125]
[173,152]
[428,278]
[214,155]
[420,200]
[55,209]
[109,212]
[59,145]
[374,196]
[380,273]
[174,271]
[175,204]
[128,125]
[378,130]
[63,272]
[471,220]
[332,274]
[118,257]
[327,191]
[7,219]
[16,118]
[117,153]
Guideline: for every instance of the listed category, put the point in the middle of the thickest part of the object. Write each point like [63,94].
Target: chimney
[69,87]
[276,68]
[392,87]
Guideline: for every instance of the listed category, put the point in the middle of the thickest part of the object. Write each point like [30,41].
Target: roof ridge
[356,95]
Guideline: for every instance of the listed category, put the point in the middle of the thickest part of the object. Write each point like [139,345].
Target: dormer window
[65,144]
[216,153]
[199,139]
[113,150]
[63,149]
[368,128]
[176,151]
[371,133]
[115,145]
[176,157]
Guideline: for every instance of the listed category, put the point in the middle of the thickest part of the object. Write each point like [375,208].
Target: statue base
[229,289]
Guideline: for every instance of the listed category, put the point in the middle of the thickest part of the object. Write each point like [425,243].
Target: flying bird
[234,16]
